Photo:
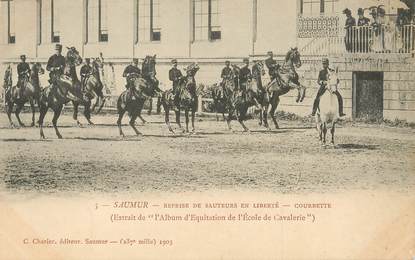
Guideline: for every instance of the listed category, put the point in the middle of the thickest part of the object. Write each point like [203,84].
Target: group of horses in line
[227,98]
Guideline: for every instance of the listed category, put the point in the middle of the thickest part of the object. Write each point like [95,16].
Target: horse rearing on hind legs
[63,92]
[328,111]
[286,80]
[30,92]
[186,99]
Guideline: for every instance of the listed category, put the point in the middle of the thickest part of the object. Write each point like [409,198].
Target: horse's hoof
[59,137]
[32,124]
[22,125]
[91,123]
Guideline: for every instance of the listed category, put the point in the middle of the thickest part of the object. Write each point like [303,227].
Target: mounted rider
[257,69]
[56,66]
[150,76]
[271,65]
[23,72]
[86,71]
[227,72]
[245,76]
[322,81]
[175,75]
[131,73]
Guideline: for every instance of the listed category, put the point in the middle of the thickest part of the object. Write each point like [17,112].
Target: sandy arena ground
[289,160]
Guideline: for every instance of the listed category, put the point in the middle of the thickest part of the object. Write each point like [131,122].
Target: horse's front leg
[57,112]
[274,104]
[75,113]
[32,106]
[177,112]
[150,106]
[132,123]
[43,109]
[140,109]
[332,133]
[87,112]
[121,113]
[17,113]
[186,115]
[242,117]
[9,112]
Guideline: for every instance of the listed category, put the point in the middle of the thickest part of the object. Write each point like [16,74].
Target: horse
[223,93]
[30,93]
[187,99]
[328,111]
[149,74]
[94,86]
[286,80]
[240,101]
[262,96]
[66,90]
[133,103]
[72,61]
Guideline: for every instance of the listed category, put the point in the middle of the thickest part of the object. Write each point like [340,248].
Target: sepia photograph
[207,129]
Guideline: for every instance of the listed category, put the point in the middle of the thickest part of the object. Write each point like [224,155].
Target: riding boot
[315,106]
[316,103]
[340,99]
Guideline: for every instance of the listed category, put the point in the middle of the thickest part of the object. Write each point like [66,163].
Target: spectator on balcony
[377,34]
[350,23]
[363,24]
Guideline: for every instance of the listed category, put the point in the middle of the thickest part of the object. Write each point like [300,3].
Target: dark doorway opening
[368,95]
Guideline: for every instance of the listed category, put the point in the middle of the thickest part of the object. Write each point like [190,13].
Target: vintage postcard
[207,129]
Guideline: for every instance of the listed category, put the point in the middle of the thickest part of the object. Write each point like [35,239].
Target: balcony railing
[365,39]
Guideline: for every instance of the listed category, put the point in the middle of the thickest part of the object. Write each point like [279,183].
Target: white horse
[328,113]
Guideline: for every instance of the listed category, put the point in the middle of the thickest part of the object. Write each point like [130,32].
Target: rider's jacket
[22,69]
[56,63]
[322,76]
[244,75]
[226,73]
[271,64]
[174,76]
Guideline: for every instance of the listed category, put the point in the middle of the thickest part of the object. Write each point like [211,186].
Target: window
[311,7]
[8,20]
[206,23]
[316,7]
[330,6]
[96,16]
[55,23]
[148,20]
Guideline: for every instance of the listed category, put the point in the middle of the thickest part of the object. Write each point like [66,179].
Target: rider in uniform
[227,72]
[271,65]
[131,73]
[174,76]
[86,70]
[23,72]
[151,77]
[322,81]
[56,66]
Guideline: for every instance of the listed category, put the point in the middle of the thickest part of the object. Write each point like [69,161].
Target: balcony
[383,40]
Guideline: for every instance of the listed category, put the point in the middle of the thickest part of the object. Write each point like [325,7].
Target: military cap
[58,47]
[174,61]
[135,60]
[270,53]
[245,60]
[22,56]
[360,11]
[227,62]
[347,11]
[325,61]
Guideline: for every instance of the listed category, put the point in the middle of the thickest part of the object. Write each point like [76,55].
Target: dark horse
[133,103]
[30,93]
[287,79]
[149,73]
[187,99]
[241,101]
[93,84]
[70,71]
[64,92]
[223,93]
